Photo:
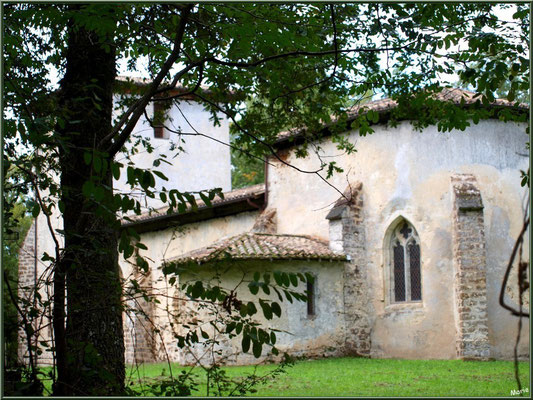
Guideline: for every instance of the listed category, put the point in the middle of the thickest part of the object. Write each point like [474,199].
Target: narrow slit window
[406,276]
[158,121]
[399,273]
[311,298]
[414,262]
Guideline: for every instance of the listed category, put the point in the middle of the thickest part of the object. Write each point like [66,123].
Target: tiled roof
[137,81]
[262,246]
[229,197]
[453,95]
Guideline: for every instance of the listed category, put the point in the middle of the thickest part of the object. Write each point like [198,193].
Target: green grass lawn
[370,377]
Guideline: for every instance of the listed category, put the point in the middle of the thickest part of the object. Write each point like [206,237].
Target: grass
[372,377]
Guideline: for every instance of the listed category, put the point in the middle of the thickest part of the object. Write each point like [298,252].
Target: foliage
[225,310]
[16,225]
[246,170]
[294,65]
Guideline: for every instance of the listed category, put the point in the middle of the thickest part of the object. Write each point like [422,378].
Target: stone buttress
[347,235]
[470,269]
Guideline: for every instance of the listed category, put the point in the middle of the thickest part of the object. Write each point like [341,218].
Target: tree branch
[137,109]
[508,270]
[268,146]
[301,53]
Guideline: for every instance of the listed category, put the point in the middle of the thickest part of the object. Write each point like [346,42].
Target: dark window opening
[158,120]
[310,298]
[414,260]
[158,132]
[399,273]
[406,275]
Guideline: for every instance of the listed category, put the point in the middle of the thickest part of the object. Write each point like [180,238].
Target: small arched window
[405,264]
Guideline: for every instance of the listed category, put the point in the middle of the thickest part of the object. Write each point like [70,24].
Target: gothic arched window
[405,264]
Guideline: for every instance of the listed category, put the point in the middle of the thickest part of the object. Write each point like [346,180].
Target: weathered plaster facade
[202,163]
[318,335]
[406,174]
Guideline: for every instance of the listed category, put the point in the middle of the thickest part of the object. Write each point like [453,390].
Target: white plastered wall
[407,173]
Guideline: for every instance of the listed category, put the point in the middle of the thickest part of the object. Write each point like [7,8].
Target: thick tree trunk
[90,348]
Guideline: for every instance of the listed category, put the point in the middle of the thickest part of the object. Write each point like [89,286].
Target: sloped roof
[140,82]
[228,196]
[262,246]
[239,200]
[382,106]
[350,193]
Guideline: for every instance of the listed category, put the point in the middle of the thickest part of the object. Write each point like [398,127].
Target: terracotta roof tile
[262,246]
[383,105]
[249,191]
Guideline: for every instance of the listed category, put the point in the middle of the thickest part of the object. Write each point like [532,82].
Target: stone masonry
[139,332]
[347,234]
[469,255]
[26,283]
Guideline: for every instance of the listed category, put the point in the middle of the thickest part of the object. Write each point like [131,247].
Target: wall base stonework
[139,335]
[470,269]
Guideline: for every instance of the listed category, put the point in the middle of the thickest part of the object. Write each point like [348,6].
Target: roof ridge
[454,95]
[280,234]
[229,195]
[257,245]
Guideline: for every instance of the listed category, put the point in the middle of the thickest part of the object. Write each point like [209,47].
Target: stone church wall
[406,175]
[318,335]
[162,245]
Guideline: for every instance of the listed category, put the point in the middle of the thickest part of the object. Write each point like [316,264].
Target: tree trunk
[90,347]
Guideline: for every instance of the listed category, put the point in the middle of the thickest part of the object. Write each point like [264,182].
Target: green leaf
[257,347]
[35,210]
[130,171]
[277,278]
[285,279]
[88,189]
[97,163]
[245,343]
[276,309]
[253,287]
[294,279]
[161,175]
[251,308]
[147,180]
[115,168]
[243,310]
[267,311]
[197,289]
[265,288]
[230,327]
[205,199]
[87,157]
[288,295]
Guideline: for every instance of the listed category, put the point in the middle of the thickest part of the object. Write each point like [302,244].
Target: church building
[407,247]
